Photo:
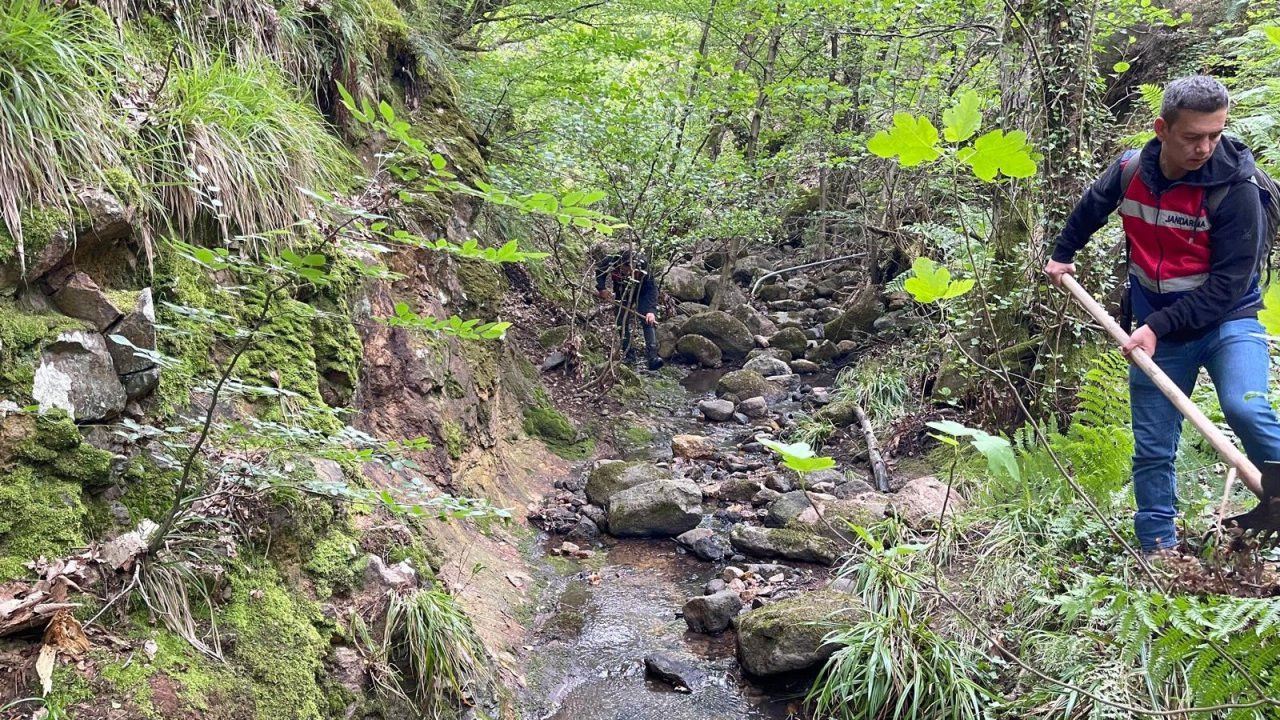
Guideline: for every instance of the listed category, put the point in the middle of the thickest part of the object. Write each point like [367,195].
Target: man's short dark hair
[1200,93]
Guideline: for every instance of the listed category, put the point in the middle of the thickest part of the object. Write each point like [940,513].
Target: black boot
[655,362]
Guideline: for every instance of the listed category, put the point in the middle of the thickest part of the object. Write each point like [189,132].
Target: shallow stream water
[600,618]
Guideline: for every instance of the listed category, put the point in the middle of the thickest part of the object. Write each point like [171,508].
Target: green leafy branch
[797,456]
[411,161]
[931,282]
[914,140]
[454,326]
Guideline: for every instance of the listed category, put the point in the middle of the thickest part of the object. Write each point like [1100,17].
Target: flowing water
[600,618]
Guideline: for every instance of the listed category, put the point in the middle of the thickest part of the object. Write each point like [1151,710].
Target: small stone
[716,410]
[731,573]
[715,586]
[755,407]
[693,447]
[712,613]
[807,367]
[568,548]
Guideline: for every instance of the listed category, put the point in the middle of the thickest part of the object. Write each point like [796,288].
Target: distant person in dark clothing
[636,296]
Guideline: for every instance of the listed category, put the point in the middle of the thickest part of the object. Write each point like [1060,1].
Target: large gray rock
[685,285]
[747,269]
[656,509]
[80,297]
[700,350]
[139,328]
[77,375]
[788,508]
[756,323]
[712,614]
[138,385]
[791,339]
[732,296]
[756,407]
[920,502]
[823,352]
[770,292]
[787,636]
[804,367]
[706,544]
[610,477]
[858,318]
[767,366]
[784,543]
[716,410]
[839,413]
[727,332]
[680,675]
[745,384]
[666,340]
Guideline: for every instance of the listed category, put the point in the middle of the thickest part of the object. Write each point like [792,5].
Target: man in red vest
[1193,285]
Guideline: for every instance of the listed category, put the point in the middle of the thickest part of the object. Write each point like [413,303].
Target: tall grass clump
[893,662]
[236,138]
[427,653]
[58,70]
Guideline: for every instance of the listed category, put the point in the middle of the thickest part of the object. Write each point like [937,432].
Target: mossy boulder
[791,339]
[610,477]
[336,564]
[839,413]
[727,332]
[858,318]
[787,636]
[745,384]
[552,338]
[657,509]
[551,427]
[787,543]
[700,350]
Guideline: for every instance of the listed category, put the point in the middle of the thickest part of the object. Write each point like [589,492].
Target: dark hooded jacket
[1231,289]
[640,294]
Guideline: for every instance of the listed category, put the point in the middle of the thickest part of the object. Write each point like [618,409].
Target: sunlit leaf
[963,118]
[914,140]
[996,153]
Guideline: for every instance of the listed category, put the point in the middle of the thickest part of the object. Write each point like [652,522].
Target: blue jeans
[1238,361]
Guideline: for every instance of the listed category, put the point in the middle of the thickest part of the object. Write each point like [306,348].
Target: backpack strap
[1128,169]
[1213,199]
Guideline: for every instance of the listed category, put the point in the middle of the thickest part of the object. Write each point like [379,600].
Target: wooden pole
[1248,471]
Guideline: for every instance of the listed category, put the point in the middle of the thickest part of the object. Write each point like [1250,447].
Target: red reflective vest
[1168,235]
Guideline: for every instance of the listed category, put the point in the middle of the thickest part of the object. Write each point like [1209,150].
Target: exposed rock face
[610,477]
[744,384]
[786,636]
[685,285]
[732,295]
[104,222]
[711,614]
[699,349]
[139,328]
[80,297]
[784,543]
[656,509]
[76,374]
[727,332]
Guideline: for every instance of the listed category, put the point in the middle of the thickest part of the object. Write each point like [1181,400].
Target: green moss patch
[554,429]
[22,334]
[39,227]
[336,564]
[277,644]
[39,515]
